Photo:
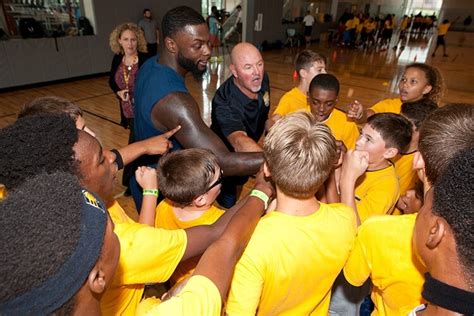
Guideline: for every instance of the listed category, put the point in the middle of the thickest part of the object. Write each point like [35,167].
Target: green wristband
[151,192]
[261,195]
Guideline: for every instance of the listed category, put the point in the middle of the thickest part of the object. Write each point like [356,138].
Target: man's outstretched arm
[181,109]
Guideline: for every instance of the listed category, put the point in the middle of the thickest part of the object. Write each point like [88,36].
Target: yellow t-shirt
[167,219]
[383,251]
[292,101]
[199,297]
[3,192]
[147,255]
[388,105]
[291,262]
[376,192]
[404,169]
[370,26]
[350,24]
[404,24]
[443,28]
[342,128]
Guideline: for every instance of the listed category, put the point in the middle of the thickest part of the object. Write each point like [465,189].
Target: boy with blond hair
[308,64]
[282,276]
[190,180]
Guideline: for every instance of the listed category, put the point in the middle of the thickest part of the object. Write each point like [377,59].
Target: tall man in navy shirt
[162,100]
[239,110]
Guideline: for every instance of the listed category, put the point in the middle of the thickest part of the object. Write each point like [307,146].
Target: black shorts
[440,40]
[308,30]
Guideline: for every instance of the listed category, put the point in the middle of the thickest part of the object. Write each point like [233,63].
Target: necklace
[127,69]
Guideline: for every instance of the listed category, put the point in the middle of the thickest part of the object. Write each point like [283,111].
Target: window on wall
[45,18]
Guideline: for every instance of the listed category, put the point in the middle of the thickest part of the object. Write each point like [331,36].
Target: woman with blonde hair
[128,43]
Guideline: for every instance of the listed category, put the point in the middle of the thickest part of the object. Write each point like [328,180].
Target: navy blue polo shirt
[233,111]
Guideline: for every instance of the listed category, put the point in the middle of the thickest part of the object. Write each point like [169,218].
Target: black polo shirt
[233,111]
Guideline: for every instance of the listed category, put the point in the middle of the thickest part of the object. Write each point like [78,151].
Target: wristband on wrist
[261,195]
[118,158]
[153,192]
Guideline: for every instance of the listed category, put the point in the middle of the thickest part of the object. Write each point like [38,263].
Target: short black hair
[177,19]
[40,226]
[325,82]
[417,111]
[146,10]
[35,144]
[453,200]
[396,131]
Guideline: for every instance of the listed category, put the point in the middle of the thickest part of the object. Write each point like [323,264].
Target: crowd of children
[364,31]
[375,201]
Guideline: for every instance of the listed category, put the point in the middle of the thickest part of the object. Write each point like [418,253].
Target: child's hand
[409,203]
[158,145]
[147,178]
[355,164]
[355,111]
[264,184]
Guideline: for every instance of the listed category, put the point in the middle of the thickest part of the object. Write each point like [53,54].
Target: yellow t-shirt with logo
[383,251]
[291,262]
[198,297]
[377,192]
[342,128]
[292,101]
[147,255]
[388,105]
[167,219]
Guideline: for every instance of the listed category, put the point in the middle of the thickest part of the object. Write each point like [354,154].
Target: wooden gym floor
[372,75]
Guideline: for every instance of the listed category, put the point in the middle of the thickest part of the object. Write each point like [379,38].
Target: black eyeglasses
[218,181]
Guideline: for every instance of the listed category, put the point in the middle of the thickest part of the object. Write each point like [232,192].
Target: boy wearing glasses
[190,181]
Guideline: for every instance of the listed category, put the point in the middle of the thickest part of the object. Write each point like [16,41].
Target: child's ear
[436,233]
[96,279]
[200,200]
[390,152]
[302,73]
[427,89]
[418,161]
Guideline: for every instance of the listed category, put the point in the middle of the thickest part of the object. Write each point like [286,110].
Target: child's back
[291,262]
[190,180]
[383,251]
[296,251]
